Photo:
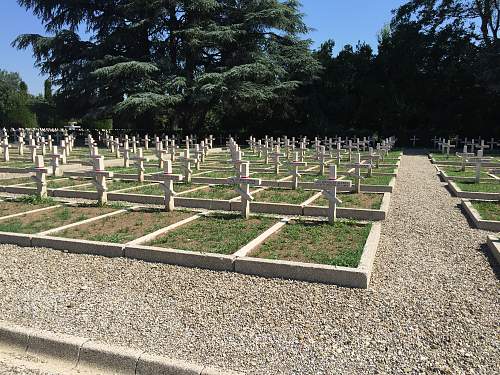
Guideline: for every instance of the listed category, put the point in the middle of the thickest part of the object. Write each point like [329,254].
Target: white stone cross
[55,158]
[446,146]
[414,139]
[126,154]
[100,175]
[294,170]
[40,176]
[20,141]
[372,156]
[186,160]
[146,142]
[63,151]
[33,147]
[168,185]
[329,190]
[479,160]
[49,142]
[322,159]
[198,156]
[117,148]
[134,143]
[357,165]
[464,155]
[5,149]
[244,181]
[276,155]
[173,149]
[139,159]
[43,145]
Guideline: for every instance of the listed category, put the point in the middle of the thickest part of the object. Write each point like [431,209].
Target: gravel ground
[432,306]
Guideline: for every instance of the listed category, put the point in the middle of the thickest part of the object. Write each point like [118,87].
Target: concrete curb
[475,216]
[472,194]
[79,353]
[494,246]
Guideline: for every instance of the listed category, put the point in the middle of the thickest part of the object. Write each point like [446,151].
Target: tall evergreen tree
[186,63]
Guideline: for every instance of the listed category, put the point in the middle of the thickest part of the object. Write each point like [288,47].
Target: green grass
[218,174]
[220,192]
[156,189]
[132,170]
[220,233]
[35,200]
[338,244]
[482,187]
[283,196]
[352,200]
[488,210]
[15,181]
[457,172]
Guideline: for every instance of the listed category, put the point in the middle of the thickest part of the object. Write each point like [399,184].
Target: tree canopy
[244,66]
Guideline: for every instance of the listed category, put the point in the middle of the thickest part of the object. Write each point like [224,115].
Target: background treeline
[242,66]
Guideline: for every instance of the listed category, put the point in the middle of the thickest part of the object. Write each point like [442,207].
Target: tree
[14,101]
[180,63]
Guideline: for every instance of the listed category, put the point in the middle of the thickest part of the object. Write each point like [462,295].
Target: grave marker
[329,190]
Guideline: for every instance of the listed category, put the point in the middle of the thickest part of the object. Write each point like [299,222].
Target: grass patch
[284,196]
[221,233]
[45,220]
[15,181]
[219,174]
[488,210]
[35,200]
[482,187]
[220,192]
[352,200]
[125,227]
[338,244]
[457,172]
[156,189]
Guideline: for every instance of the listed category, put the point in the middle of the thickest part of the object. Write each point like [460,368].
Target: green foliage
[15,101]
[193,64]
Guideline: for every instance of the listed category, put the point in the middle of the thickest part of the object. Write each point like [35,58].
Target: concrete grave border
[493,243]
[471,194]
[80,353]
[475,216]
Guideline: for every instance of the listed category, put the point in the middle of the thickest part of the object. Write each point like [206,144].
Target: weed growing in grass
[35,200]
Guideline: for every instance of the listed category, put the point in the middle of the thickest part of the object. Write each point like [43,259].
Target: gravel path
[432,307]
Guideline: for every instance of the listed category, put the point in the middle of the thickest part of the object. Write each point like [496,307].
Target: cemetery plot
[112,185]
[375,180]
[123,228]
[16,164]
[156,189]
[271,195]
[352,200]
[132,170]
[218,192]
[49,219]
[338,244]
[15,206]
[15,181]
[218,233]
[217,174]
[483,187]
[458,172]
[57,183]
[269,176]
[489,210]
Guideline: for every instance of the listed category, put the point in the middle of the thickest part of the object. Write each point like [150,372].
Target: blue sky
[345,21]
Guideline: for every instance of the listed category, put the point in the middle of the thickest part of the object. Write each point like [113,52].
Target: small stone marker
[357,172]
[243,190]
[126,154]
[20,141]
[40,177]
[168,185]
[329,190]
[146,142]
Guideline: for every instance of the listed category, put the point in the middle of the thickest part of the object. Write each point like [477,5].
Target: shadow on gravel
[491,260]
[467,217]
[415,151]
